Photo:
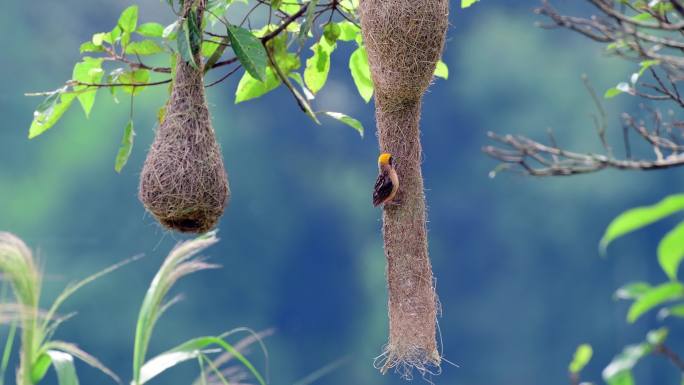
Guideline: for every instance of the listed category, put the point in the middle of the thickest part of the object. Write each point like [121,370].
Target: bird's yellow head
[385,159]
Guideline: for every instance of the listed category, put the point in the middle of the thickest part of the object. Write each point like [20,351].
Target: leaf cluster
[666,297]
[292,48]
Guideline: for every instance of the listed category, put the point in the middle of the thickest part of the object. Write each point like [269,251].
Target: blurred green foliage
[644,296]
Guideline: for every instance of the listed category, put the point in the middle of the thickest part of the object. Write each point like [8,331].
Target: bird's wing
[383,188]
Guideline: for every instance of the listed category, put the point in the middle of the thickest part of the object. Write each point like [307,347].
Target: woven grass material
[183,182]
[404,40]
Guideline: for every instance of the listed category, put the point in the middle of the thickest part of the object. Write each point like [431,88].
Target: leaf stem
[665,351]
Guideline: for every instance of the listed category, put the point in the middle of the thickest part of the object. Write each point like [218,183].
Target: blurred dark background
[515,258]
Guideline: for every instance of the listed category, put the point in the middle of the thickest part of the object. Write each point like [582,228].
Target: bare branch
[539,159]
[657,42]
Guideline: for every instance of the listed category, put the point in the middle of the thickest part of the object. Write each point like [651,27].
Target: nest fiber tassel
[404,40]
[183,181]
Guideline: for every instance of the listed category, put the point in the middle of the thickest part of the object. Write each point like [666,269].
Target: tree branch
[538,159]
[659,42]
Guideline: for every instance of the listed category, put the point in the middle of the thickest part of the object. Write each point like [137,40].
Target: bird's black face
[391,161]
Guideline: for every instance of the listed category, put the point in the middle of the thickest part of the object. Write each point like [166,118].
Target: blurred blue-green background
[515,258]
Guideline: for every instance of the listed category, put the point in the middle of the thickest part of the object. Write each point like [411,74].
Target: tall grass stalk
[181,261]
[19,269]
[38,351]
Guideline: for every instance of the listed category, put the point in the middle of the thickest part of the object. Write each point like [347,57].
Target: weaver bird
[387,184]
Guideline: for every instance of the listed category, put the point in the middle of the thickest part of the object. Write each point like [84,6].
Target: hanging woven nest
[183,183]
[404,40]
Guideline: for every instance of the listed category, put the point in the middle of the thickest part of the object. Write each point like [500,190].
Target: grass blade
[180,262]
[73,288]
[77,352]
[188,350]
[7,352]
[240,346]
[64,366]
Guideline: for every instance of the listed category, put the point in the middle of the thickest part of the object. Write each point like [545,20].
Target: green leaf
[632,290]
[581,358]
[89,46]
[331,32]
[190,350]
[249,51]
[468,3]
[195,31]
[350,5]
[655,296]
[145,47]
[129,19]
[645,16]
[125,148]
[299,80]
[657,337]
[308,21]
[639,217]
[209,47]
[140,76]
[619,371]
[170,31]
[117,34]
[671,251]
[348,31]
[646,64]
[215,55]
[621,378]
[348,120]
[87,71]
[125,39]
[100,38]
[45,118]
[64,366]
[318,65]
[40,367]
[611,93]
[290,8]
[441,70]
[675,311]
[150,30]
[183,43]
[250,88]
[358,65]
[219,7]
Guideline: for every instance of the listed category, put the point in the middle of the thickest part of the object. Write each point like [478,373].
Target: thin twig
[224,77]
[658,41]
[671,355]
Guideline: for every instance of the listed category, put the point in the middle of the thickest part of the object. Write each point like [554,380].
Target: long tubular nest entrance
[404,40]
